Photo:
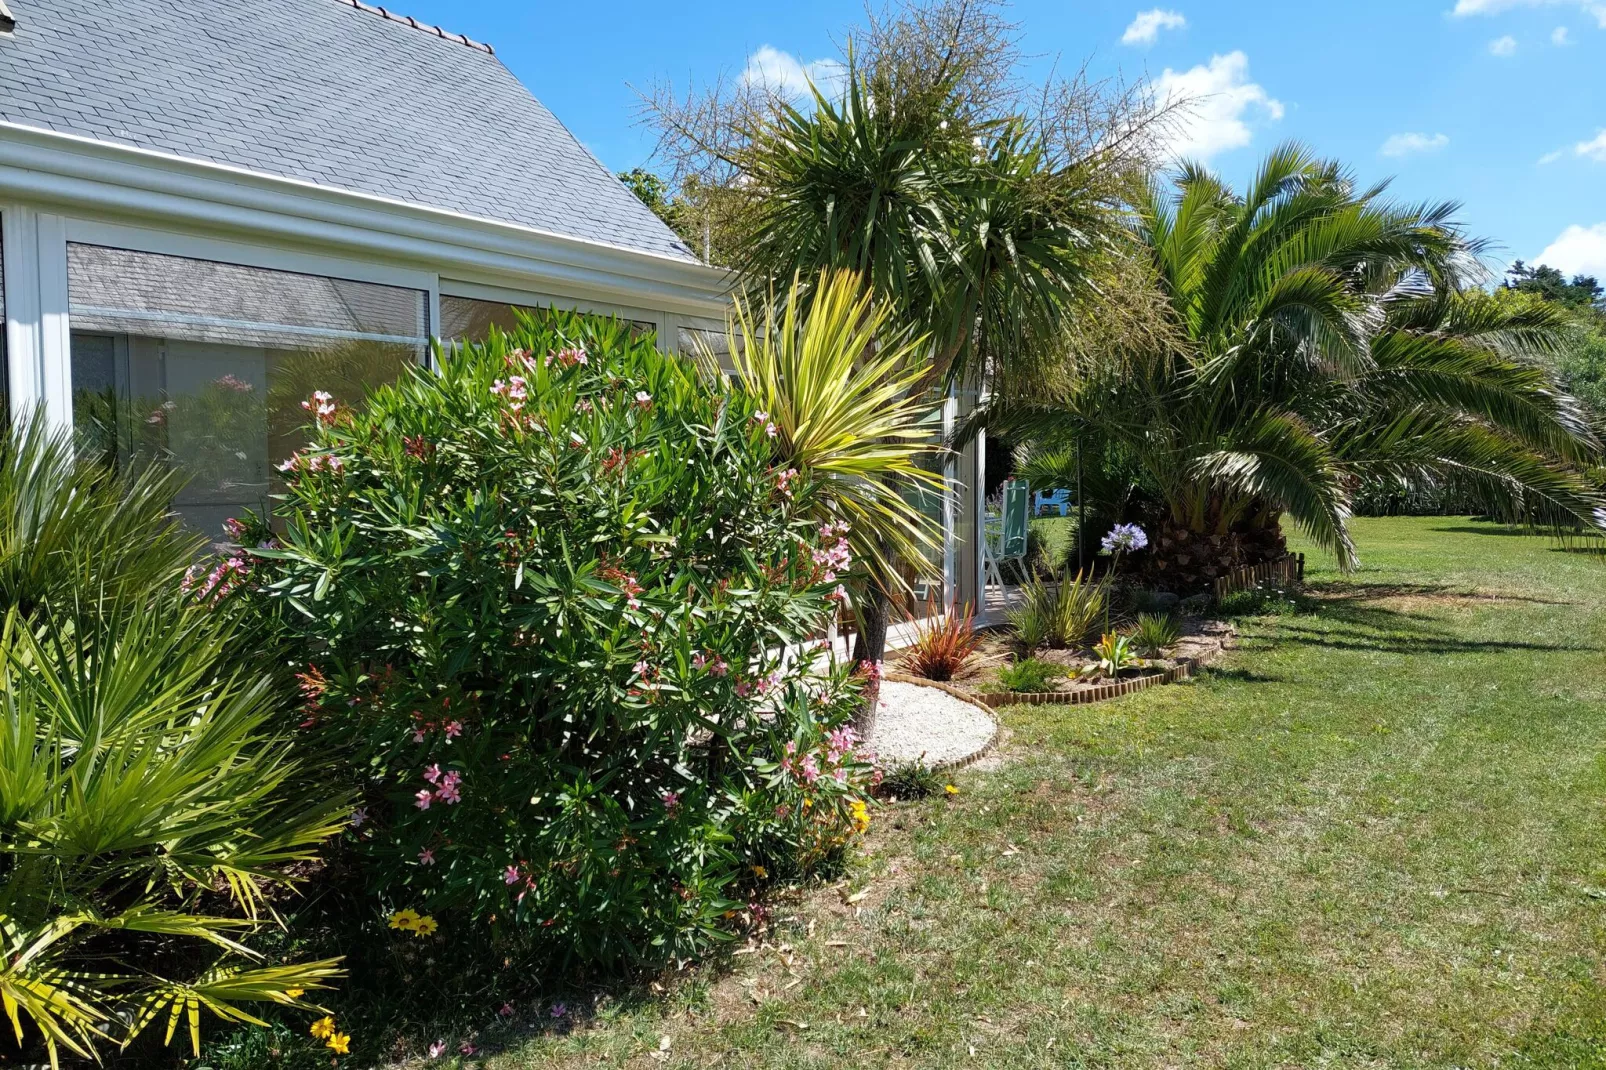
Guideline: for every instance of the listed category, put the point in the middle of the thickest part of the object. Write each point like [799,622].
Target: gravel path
[917,721]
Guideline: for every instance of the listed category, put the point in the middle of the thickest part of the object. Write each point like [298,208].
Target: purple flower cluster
[1124,538]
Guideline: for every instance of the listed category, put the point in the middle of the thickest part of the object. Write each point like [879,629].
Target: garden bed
[1200,643]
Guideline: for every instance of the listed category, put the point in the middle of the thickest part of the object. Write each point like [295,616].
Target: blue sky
[1497,104]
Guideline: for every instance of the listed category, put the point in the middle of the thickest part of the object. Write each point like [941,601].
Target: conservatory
[269,200]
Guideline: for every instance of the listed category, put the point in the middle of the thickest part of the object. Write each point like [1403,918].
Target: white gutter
[47,168]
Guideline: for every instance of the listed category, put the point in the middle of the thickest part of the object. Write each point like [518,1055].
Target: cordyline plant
[543,599]
[148,803]
[838,389]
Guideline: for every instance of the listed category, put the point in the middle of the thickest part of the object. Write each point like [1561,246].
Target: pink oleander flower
[743,689]
[698,660]
[322,405]
[510,875]
[437,1049]
[671,800]
[643,399]
[771,430]
[449,792]
[423,799]
[432,773]
[506,1011]
[719,668]
[810,769]
[426,857]
[453,729]
[466,1048]
[584,406]
[234,529]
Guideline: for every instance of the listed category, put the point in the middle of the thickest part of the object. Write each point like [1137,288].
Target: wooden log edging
[975,756]
[1289,570]
[1102,693]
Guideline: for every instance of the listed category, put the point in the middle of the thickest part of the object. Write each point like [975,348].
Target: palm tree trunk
[869,650]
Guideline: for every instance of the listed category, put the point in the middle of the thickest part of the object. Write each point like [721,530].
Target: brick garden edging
[975,756]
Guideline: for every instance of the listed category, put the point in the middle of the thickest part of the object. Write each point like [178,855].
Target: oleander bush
[539,602]
[149,809]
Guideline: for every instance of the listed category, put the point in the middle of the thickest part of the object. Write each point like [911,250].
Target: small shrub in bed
[1029,675]
[942,646]
[1154,632]
[536,601]
[1061,615]
[911,780]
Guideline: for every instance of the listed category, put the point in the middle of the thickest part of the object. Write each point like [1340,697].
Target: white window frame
[38,320]
[662,322]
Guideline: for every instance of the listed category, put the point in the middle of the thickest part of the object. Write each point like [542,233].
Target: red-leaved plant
[943,643]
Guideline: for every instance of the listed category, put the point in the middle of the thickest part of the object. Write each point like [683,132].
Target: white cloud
[1406,144]
[1577,251]
[1495,7]
[1558,36]
[785,73]
[1503,46]
[1145,29]
[1214,105]
[1593,149]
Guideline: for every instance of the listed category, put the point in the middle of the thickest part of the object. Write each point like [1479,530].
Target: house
[209,210]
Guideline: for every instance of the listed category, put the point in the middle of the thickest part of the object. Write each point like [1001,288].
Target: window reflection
[203,366]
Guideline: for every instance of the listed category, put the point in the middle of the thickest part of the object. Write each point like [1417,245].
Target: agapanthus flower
[1124,538]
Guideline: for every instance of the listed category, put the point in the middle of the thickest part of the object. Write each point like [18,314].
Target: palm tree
[837,386]
[972,231]
[1325,337]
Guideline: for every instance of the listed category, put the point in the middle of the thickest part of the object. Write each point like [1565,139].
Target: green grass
[1371,838]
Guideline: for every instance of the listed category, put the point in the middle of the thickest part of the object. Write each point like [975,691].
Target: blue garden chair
[1054,499]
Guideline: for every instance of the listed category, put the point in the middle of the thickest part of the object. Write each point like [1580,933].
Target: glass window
[468,319]
[203,366]
[695,341]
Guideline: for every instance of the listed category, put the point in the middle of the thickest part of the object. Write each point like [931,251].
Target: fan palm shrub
[148,808]
[1325,338]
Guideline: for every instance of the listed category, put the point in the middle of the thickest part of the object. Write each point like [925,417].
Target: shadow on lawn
[1349,620]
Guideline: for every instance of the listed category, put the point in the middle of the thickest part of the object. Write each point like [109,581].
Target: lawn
[1370,837]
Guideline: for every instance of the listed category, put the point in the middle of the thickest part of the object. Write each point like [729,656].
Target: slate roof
[328,91]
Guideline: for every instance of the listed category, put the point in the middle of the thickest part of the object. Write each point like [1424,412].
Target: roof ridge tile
[408,20]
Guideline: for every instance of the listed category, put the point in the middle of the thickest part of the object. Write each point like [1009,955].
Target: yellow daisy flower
[323,1028]
[425,926]
[951,790]
[405,920]
[295,993]
[340,1043]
